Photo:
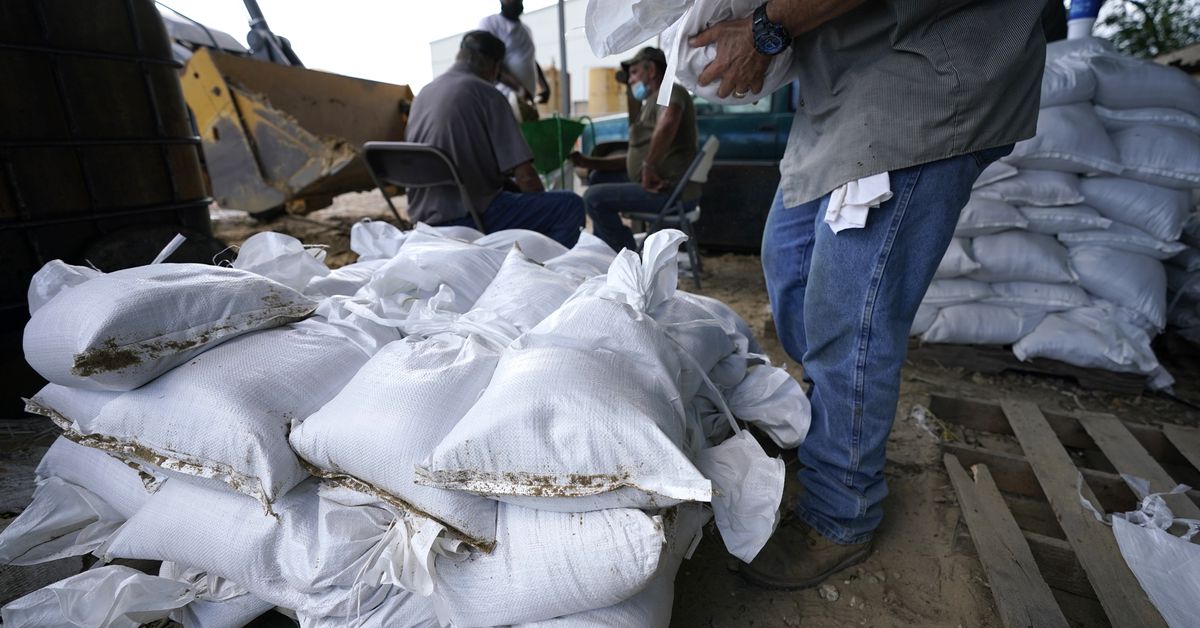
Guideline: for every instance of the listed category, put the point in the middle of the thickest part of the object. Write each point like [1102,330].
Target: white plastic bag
[978,323]
[772,400]
[1160,155]
[614,26]
[524,293]
[1156,210]
[393,412]
[1049,297]
[588,258]
[1123,237]
[1043,188]
[107,597]
[548,564]
[748,487]
[538,247]
[1120,119]
[120,330]
[1133,281]
[1020,256]
[218,604]
[1090,337]
[281,257]
[1065,219]
[375,240]
[54,277]
[983,216]
[1128,83]
[1069,138]
[957,260]
[344,281]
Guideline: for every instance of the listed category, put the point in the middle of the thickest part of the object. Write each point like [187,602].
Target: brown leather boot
[799,557]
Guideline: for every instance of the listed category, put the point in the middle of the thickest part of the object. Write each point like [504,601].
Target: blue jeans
[606,201]
[557,214]
[843,304]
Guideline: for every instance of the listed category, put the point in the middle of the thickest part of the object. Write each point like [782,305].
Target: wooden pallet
[992,360]
[1049,561]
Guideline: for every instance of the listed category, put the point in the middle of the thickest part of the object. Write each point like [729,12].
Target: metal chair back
[415,165]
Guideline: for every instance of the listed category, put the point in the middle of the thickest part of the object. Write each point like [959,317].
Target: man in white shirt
[520,77]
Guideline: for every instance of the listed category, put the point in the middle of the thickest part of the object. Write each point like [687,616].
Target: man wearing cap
[462,114]
[662,144]
[901,104]
[520,75]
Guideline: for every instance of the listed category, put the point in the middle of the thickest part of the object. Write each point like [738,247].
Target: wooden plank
[1013,474]
[1082,612]
[1119,592]
[986,416]
[1021,595]
[1058,563]
[1186,440]
[1130,458]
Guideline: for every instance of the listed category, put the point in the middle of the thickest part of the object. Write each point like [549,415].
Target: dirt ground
[922,573]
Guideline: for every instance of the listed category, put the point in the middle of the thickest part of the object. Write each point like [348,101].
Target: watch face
[769,43]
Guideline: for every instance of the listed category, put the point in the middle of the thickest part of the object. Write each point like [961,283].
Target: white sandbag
[1067,79]
[83,495]
[588,258]
[524,293]
[113,596]
[612,27]
[65,406]
[1065,219]
[283,258]
[943,292]
[424,264]
[344,281]
[548,433]
[982,324]
[1166,566]
[225,414]
[538,247]
[688,62]
[957,260]
[1124,238]
[1160,155]
[1133,281]
[1049,297]
[1156,210]
[651,608]
[713,336]
[54,277]
[1069,138]
[1121,119]
[926,314]
[1043,188]
[996,171]
[1020,256]
[458,232]
[1180,281]
[281,558]
[122,329]
[1091,337]
[548,564]
[219,603]
[400,609]
[773,401]
[748,487]
[983,216]
[375,240]
[1128,83]
[393,412]
[1187,259]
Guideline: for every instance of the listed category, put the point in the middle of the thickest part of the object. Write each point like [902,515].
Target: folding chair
[682,214]
[415,165]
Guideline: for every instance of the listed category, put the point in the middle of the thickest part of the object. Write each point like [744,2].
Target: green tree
[1148,28]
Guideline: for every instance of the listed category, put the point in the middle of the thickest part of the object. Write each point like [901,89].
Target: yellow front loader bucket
[276,136]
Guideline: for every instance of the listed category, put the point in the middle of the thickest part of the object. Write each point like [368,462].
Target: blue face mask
[638,90]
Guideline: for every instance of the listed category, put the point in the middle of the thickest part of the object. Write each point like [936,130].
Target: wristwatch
[770,38]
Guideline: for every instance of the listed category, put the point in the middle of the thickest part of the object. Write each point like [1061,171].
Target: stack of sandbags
[1059,252]
[1183,280]
[495,440]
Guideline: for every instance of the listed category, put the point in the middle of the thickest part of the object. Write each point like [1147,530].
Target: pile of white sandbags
[1060,250]
[456,429]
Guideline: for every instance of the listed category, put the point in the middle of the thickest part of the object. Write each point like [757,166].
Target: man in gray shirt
[925,93]
[462,114]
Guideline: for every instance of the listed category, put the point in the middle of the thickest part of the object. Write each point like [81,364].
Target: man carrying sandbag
[902,104]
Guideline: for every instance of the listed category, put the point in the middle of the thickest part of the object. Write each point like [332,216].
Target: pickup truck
[742,183]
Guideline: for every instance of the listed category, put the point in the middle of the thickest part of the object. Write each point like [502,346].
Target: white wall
[544,24]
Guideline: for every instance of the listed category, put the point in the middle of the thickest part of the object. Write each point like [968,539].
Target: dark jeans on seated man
[558,214]
[606,201]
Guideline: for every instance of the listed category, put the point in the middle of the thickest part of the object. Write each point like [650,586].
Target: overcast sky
[383,40]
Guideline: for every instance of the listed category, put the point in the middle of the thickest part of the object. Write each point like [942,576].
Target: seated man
[462,114]
[662,144]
